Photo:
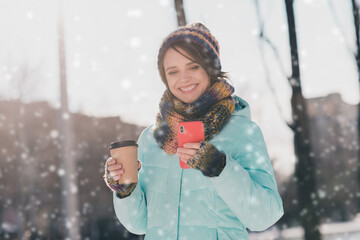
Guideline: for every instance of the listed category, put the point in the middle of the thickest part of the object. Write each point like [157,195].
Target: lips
[188,88]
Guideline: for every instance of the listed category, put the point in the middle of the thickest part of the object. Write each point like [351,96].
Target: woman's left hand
[188,151]
[203,156]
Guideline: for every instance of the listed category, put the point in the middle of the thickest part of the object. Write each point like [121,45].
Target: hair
[199,56]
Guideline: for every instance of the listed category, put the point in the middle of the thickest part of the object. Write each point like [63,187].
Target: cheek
[171,85]
[205,81]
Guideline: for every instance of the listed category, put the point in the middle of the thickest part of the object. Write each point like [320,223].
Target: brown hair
[199,56]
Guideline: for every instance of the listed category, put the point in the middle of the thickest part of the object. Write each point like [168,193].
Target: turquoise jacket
[172,203]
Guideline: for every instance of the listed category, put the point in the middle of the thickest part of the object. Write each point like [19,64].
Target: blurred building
[334,136]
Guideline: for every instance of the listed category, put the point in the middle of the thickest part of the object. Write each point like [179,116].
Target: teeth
[188,88]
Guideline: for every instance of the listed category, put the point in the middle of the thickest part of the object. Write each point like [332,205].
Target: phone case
[189,132]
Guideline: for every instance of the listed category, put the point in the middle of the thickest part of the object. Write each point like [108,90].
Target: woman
[230,185]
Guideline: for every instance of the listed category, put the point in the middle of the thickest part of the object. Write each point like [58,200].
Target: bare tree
[69,179]
[305,165]
[355,8]
[264,39]
[180,13]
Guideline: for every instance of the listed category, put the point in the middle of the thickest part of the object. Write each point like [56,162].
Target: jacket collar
[242,108]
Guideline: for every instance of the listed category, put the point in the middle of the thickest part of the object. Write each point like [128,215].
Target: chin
[188,100]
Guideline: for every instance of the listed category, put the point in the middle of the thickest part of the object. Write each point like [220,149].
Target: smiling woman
[186,79]
[229,185]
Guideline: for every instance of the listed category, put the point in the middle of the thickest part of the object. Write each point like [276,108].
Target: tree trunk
[180,13]
[23,172]
[355,9]
[68,163]
[305,165]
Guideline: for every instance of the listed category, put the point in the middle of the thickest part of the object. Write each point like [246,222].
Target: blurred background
[77,75]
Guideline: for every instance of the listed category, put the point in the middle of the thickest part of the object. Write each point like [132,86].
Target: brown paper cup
[125,152]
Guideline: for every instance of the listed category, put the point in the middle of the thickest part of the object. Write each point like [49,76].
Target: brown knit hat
[194,33]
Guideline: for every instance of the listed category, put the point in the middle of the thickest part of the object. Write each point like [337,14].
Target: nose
[184,76]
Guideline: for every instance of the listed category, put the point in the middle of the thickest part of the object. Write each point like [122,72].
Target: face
[186,79]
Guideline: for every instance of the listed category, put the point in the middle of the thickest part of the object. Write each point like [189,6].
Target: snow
[52,168]
[126,84]
[78,38]
[134,13]
[322,193]
[30,15]
[135,42]
[61,172]
[220,6]
[54,133]
[164,3]
[330,231]
[65,116]
[143,58]
[76,63]
[139,44]
[73,189]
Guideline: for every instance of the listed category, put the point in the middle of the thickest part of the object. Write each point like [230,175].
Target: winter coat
[174,203]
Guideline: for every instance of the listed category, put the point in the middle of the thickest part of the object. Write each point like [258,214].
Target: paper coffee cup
[125,152]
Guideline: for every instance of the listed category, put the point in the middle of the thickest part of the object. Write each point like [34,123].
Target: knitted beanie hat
[194,33]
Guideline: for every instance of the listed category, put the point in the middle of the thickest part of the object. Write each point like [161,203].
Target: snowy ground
[339,236]
[330,231]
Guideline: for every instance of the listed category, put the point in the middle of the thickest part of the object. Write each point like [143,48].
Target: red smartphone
[189,132]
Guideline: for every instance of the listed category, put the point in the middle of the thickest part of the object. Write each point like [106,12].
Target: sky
[111,55]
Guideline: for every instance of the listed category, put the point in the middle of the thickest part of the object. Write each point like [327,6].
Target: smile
[188,88]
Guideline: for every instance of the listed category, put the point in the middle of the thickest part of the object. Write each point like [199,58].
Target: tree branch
[264,39]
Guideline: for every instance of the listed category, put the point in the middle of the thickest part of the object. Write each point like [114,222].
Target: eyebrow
[175,67]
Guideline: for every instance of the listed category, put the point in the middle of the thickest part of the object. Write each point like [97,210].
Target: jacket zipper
[178,225]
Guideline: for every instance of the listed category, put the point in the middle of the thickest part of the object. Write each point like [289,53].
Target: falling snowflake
[76,63]
[54,134]
[66,116]
[126,84]
[164,3]
[143,58]
[61,172]
[135,42]
[30,15]
[73,188]
[249,147]
[52,168]
[78,38]
[136,13]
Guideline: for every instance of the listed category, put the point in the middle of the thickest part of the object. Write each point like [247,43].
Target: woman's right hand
[112,169]
[113,172]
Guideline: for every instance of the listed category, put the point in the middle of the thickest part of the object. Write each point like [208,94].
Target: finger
[117,177]
[111,161]
[108,161]
[192,145]
[115,167]
[184,156]
[189,151]
[114,173]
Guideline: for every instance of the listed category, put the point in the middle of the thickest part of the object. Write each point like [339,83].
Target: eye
[172,72]
[195,67]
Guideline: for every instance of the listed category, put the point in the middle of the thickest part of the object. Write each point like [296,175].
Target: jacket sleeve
[132,210]
[247,183]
